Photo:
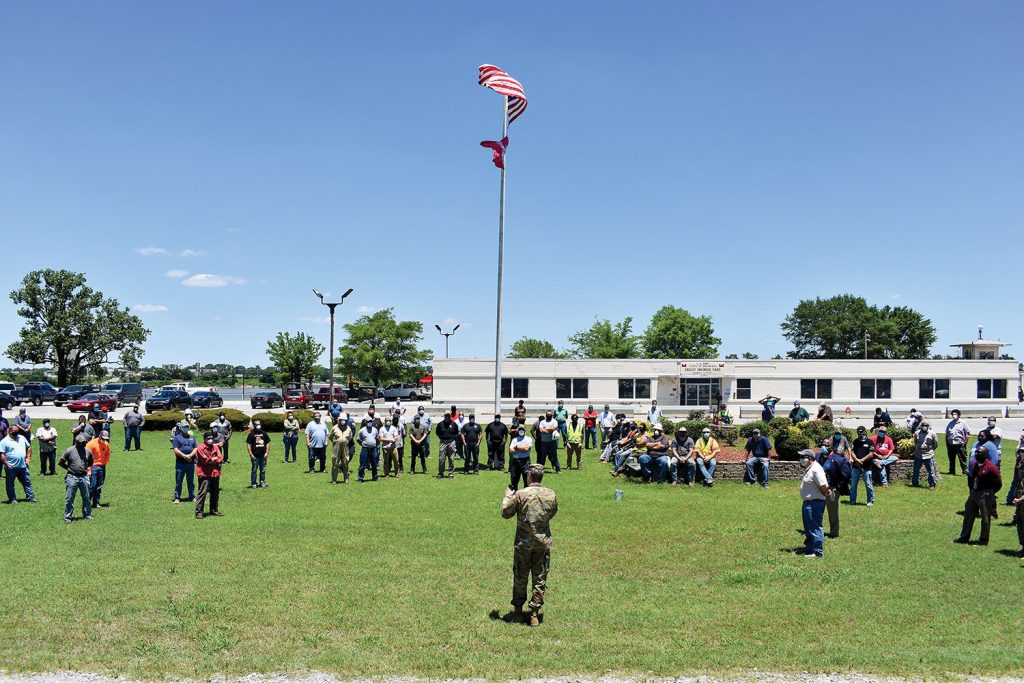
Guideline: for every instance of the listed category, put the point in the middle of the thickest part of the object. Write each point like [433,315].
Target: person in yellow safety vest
[706,450]
[574,441]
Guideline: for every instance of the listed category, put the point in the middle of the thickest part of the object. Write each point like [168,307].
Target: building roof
[982,342]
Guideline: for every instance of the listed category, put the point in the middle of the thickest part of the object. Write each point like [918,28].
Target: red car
[297,398]
[104,401]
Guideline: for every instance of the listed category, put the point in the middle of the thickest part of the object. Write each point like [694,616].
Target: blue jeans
[645,466]
[368,461]
[99,475]
[929,465]
[814,532]
[864,472]
[621,457]
[290,442]
[885,462]
[707,469]
[764,470]
[689,470]
[21,474]
[259,464]
[184,471]
[71,485]
[590,437]
[562,430]
[132,434]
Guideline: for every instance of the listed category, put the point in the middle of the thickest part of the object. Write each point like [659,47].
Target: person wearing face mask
[368,438]
[208,462]
[460,421]
[47,438]
[399,422]
[183,445]
[925,444]
[985,482]
[133,421]
[340,437]
[590,427]
[291,436]
[226,430]
[389,445]
[76,462]
[427,423]
[84,428]
[496,434]
[561,416]
[257,443]
[447,435]
[418,436]
[547,429]
[316,442]
[995,435]
[759,450]
[607,420]
[100,449]
[16,456]
[574,435]
[885,454]
[957,434]
[519,457]
[470,434]
[706,451]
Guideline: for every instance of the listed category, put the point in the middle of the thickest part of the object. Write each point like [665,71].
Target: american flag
[500,82]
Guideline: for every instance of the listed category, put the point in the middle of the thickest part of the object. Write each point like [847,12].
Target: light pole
[446,335]
[867,338]
[331,307]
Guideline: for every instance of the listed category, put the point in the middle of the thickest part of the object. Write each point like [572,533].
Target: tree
[73,327]
[383,350]
[747,355]
[604,340]
[675,333]
[835,327]
[528,347]
[296,357]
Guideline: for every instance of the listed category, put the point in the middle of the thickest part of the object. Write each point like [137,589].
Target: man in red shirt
[208,464]
[590,427]
[885,454]
[985,482]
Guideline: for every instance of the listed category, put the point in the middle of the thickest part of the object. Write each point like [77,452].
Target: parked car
[266,399]
[322,397]
[407,391]
[35,393]
[297,398]
[106,402]
[187,387]
[173,399]
[73,392]
[6,400]
[8,387]
[207,399]
[126,393]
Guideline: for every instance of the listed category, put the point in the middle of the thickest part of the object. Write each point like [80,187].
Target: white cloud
[150,308]
[150,251]
[178,274]
[189,253]
[209,280]
[452,322]
[366,309]
[315,319]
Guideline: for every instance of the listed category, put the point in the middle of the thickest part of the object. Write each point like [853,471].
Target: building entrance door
[700,392]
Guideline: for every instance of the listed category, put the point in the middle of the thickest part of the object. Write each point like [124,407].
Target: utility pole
[446,335]
[867,338]
[331,306]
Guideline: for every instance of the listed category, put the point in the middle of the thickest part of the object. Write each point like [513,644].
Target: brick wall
[789,469]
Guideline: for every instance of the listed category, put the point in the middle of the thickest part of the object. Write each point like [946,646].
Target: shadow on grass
[1008,553]
[511,617]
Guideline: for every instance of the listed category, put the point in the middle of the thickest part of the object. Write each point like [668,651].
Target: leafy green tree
[528,347]
[296,357]
[835,327]
[676,333]
[605,340]
[383,350]
[747,355]
[73,327]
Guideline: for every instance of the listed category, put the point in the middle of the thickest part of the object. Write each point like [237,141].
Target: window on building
[634,388]
[816,388]
[515,387]
[701,391]
[933,388]
[572,388]
[743,389]
[991,388]
[876,388]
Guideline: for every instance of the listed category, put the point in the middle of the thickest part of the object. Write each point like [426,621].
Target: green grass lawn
[407,577]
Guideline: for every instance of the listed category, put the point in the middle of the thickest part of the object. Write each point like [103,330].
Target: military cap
[537,468]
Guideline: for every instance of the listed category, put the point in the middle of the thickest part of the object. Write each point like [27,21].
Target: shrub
[239,420]
[162,420]
[747,428]
[777,424]
[817,430]
[730,434]
[669,426]
[697,415]
[274,422]
[693,427]
[905,448]
[790,442]
[898,434]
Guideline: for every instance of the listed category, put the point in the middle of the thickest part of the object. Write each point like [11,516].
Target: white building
[932,386]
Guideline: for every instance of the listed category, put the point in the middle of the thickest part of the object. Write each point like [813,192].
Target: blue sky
[729,158]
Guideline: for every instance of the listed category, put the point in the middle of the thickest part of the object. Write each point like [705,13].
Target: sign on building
[701,368]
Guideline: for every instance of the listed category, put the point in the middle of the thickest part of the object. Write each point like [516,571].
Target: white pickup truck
[187,387]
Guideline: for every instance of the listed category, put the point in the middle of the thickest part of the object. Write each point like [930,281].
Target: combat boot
[534,619]
[517,613]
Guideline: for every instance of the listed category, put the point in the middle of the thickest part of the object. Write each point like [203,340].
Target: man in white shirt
[47,438]
[607,420]
[813,491]
[519,456]
[654,414]
[389,435]
[957,433]
[396,408]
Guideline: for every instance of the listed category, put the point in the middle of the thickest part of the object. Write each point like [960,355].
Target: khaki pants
[390,460]
[530,560]
[574,449]
[339,460]
[832,508]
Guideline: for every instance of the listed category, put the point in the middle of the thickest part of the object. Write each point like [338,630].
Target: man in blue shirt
[316,441]
[759,449]
[16,455]
[184,445]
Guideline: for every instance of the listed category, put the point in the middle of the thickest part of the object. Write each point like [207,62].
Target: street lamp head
[345,295]
[456,327]
[438,328]
[319,295]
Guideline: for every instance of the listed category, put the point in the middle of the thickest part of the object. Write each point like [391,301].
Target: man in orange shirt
[100,449]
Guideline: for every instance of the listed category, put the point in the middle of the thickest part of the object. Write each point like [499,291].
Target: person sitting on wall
[656,456]
[882,419]
[627,450]
[706,450]
[824,412]
[615,434]
[885,454]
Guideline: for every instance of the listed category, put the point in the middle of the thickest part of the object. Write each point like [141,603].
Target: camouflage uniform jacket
[534,506]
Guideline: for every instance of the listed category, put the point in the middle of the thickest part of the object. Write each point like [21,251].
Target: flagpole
[501,266]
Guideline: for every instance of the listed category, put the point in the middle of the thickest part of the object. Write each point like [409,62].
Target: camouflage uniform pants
[527,560]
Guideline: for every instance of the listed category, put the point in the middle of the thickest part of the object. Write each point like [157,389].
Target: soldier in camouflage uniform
[533,506]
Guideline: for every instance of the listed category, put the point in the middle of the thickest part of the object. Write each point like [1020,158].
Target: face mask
[837,438]
[881,433]
[705,434]
[521,433]
[472,420]
[257,426]
[991,423]
[421,412]
[549,417]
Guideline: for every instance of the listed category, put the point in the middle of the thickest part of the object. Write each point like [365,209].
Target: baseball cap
[105,435]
